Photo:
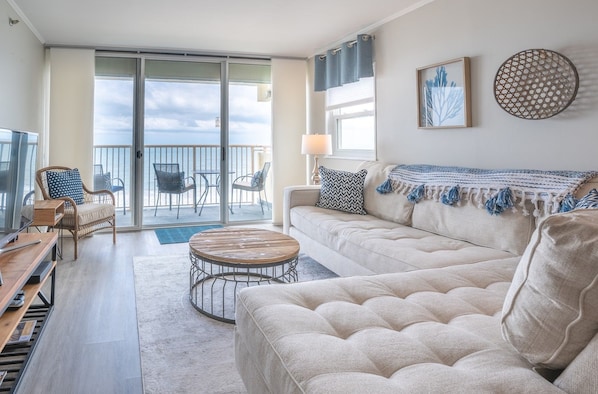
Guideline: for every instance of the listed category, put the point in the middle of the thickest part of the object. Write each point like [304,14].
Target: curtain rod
[166,52]
[349,44]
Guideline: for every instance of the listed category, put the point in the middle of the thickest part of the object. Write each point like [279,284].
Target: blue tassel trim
[505,198]
[385,187]
[416,194]
[568,203]
[452,196]
[501,201]
[492,208]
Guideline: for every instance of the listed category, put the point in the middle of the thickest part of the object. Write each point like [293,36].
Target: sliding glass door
[250,135]
[114,132]
[180,133]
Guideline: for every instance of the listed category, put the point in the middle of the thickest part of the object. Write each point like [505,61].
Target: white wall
[288,124]
[21,75]
[488,32]
[71,109]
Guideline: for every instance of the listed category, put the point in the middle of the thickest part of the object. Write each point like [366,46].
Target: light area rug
[182,350]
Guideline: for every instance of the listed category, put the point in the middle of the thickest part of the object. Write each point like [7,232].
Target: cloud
[178,108]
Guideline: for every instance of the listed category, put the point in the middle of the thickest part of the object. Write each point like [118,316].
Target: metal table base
[213,285]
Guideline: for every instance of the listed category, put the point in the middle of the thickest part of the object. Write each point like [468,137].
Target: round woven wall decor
[536,84]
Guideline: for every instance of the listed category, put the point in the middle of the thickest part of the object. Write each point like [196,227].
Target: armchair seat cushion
[88,214]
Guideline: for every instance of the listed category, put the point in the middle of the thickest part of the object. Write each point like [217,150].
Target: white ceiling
[277,28]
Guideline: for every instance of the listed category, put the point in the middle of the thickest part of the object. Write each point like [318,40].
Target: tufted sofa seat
[427,331]
[380,246]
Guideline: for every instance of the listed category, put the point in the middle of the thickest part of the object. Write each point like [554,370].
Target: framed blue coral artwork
[443,95]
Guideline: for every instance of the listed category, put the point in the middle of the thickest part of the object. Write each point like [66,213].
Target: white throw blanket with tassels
[479,185]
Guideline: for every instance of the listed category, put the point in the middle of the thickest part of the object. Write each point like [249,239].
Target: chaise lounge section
[433,313]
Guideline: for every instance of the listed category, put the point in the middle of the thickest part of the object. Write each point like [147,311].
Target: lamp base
[315,174]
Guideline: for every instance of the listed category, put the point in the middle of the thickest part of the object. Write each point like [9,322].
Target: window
[351,119]
[182,110]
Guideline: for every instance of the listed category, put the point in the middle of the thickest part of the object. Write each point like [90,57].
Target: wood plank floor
[90,343]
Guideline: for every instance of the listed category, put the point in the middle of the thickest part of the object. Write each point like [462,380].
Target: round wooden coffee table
[225,260]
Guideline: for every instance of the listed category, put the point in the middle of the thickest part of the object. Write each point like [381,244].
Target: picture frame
[443,95]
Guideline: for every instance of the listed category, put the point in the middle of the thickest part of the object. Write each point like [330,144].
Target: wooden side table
[49,213]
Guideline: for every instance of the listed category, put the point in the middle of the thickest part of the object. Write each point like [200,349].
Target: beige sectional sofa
[429,303]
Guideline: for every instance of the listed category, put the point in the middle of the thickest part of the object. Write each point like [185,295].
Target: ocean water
[183,137]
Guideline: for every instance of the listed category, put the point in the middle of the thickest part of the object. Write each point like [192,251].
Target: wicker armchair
[95,213]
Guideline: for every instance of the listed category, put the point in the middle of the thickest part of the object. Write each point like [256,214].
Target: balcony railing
[243,160]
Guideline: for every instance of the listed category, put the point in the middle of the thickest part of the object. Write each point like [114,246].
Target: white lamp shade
[316,144]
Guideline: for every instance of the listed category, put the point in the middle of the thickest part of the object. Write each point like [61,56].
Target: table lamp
[316,144]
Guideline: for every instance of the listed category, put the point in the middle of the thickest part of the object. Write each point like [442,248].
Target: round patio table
[225,260]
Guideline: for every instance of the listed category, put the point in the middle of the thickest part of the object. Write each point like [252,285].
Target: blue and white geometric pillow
[65,184]
[342,190]
[588,201]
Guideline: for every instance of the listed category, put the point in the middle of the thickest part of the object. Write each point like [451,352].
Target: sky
[179,113]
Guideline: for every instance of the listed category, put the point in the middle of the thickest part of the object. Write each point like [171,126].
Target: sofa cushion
[509,231]
[427,331]
[342,190]
[389,206]
[580,376]
[550,313]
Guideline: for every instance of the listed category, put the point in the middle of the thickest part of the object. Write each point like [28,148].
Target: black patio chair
[173,181]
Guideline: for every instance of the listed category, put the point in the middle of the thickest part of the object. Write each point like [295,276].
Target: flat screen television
[18,158]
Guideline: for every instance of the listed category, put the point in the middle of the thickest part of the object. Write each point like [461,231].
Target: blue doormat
[177,235]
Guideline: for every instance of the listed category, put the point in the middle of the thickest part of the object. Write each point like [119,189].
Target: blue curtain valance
[352,61]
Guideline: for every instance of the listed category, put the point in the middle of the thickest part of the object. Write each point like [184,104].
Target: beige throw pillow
[390,206]
[509,231]
[550,312]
